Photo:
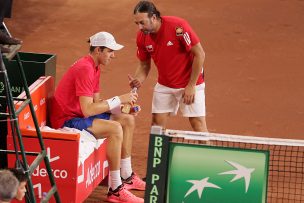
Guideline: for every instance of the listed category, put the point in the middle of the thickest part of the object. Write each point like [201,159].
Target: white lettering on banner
[93,173]
[38,185]
[42,101]
[42,172]
[63,174]
[48,150]
[40,193]
[16,89]
[80,178]
[26,115]
[35,107]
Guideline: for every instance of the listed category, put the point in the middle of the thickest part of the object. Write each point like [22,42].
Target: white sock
[126,168]
[114,179]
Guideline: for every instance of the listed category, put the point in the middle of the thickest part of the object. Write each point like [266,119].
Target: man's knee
[198,124]
[116,129]
[126,120]
[130,120]
[160,119]
[102,129]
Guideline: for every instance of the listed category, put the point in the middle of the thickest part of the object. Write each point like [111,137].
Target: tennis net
[286,160]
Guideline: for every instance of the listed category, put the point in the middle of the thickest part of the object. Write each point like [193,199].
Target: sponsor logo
[42,101]
[26,115]
[42,172]
[149,48]
[220,174]
[92,173]
[14,89]
[169,43]
[155,191]
[179,31]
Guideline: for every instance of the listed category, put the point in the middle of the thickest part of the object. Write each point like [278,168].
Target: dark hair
[92,48]
[19,174]
[146,7]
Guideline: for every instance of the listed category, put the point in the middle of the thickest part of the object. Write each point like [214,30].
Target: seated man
[8,186]
[77,104]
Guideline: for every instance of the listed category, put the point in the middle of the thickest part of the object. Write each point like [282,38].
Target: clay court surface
[253,68]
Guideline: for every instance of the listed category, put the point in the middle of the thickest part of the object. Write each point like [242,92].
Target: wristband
[114,102]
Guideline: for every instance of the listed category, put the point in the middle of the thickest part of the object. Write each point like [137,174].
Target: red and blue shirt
[81,79]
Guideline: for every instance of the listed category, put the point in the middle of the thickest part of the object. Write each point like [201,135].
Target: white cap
[104,39]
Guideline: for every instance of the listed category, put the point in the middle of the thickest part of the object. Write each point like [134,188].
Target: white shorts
[169,100]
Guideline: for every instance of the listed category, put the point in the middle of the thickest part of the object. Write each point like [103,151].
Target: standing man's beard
[146,32]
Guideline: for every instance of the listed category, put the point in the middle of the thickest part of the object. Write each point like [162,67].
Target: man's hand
[135,109]
[129,98]
[189,94]
[134,82]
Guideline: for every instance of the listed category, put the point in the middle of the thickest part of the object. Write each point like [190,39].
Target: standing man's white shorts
[169,100]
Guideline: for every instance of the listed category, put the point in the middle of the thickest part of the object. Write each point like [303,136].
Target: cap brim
[115,47]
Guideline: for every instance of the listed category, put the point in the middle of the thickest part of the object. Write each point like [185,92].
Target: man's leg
[114,132]
[111,130]
[198,124]
[196,112]
[130,179]
[127,123]
[164,104]
[160,119]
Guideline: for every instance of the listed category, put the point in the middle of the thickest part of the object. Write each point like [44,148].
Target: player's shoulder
[174,20]
[84,63]
[175,25]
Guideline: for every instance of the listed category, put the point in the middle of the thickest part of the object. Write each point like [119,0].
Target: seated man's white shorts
[169,100]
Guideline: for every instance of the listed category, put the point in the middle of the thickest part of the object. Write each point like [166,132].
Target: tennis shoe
[121,195]
[134,183]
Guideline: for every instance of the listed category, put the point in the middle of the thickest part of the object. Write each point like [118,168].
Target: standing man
[77,104]
[179,56]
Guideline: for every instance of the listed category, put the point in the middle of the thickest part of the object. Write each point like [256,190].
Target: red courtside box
[75,178]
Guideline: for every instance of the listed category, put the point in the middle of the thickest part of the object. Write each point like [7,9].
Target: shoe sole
[138,189]
[118,201]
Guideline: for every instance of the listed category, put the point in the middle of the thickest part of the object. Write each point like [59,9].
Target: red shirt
[170,50]
[81,79]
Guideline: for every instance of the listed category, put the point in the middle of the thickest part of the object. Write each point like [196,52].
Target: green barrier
[195,173]
[34,66]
